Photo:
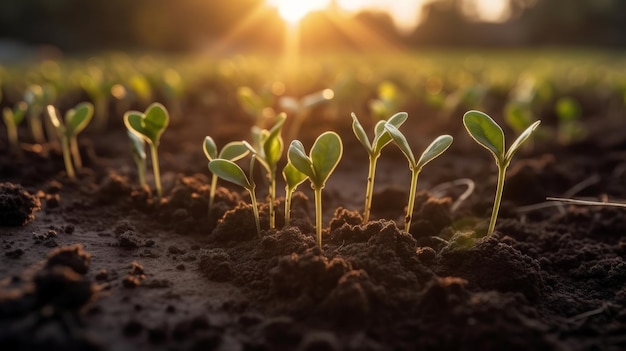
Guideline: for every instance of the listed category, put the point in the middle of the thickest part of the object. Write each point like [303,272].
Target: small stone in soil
[132,281]
[14,254]
[175,250]
[17,206]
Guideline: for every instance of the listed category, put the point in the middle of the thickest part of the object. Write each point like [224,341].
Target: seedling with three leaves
[435,149]
[317,166]
[149,126]
[75,121]
[487,133]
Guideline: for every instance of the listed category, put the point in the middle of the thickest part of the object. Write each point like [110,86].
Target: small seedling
[256,105]
[487,133]
[569,113]
[231,172]
[150,126]
[302,108]
[37,97]
[75,121]
[381,139]
[435,149]
[268,149]
[293,178]
[12,119]
[138,149]
[321,162]
[232,151]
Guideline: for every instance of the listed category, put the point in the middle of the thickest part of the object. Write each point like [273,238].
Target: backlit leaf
[235,150]
[402,143]
[520,140]
[325,155]
[486,132]
[230,171]
[293,177]
[210,148]
[299,159]
[436,148]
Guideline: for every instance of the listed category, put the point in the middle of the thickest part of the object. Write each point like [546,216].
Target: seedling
[37,97]
[436,148]
[487,133]
[232,151]
[12,119]
[256,105]
[231,172]
[569,113]
[150,126]
[293,178]
[138,149]
[321,162]
[268,149]
[389,100]
[75,121]
[381,139]
[302,108]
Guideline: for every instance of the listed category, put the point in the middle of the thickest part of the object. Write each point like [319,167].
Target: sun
[293,11]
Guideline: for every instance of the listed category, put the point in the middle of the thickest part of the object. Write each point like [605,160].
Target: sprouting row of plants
[267,148]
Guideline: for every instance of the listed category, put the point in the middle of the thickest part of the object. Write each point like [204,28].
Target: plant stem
[411,203]
[34,123]
[67,158]
[212,191]
[369,192]
[272,199]
[288,194]
[497,200]
[78,162]
[256,211]
[318,215]
[155,170]
[141,172]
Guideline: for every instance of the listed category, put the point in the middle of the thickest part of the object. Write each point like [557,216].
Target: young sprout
[37,97]
[138,149]
[256,105]
[268,149]
[436,148]
[321,162]
[12,119]
[293,178]
[75,121]
[486,132]
[301,108]
[381,139]
[231,172]
[150,126]
[232,151]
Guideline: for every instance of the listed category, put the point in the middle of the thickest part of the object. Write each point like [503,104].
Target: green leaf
[382,138]
[520,140]
[56,122]
[137,145]
[151,124]
[276,129]
[360,134]
[402,143]
[235,150]
[273,148]
[297,156]
[293,177]
[436,148]
[486,132]
[80,117]
[230,171]
[19,112]
[210,148]
[325,155]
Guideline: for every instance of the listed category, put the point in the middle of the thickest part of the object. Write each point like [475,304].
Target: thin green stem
[288,194]
[497,200]
[411,203]
[141,172]
[272,199]
[369,192]
[67,158]
[255,208]
[318,215]
[12,136]
[78,162]
[212,191]
[155,170]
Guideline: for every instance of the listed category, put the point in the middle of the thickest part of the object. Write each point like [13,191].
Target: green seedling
[37,97]
[269,149]
[435,149]
[569,113]
[487,133]
[302,108]
[256,105]
[293,178]
[150,126]
[317,166]
[232,151]
[381,139]
[231,172]
[75,121]
[12,119]
[138,149]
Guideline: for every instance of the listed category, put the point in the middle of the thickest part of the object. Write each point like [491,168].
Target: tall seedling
[317,166]
[150,126]
[436,148]
[12,119]
[487,133]
[232,151]
[381,139]
[75,121]
[231,172]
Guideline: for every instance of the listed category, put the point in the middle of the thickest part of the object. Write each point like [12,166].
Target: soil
[105,265]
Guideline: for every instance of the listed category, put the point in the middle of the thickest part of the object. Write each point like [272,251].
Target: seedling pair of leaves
[487,133]
[12,119]
[381,139]
[322,160]
[232,151]
[149,126]
[75,121]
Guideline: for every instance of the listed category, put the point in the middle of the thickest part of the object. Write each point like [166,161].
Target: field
[105,264]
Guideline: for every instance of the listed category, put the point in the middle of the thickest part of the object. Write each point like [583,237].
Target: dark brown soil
[106,266]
